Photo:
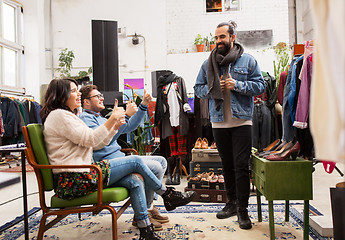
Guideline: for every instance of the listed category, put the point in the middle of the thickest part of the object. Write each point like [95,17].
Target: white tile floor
[11,205]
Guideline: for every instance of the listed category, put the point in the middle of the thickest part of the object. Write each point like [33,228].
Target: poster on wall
[133,85]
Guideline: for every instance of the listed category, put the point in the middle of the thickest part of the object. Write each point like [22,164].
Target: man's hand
[227,84]
[131,108]
[147,98]
[119,115]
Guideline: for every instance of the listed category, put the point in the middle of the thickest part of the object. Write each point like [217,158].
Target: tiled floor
[11,204]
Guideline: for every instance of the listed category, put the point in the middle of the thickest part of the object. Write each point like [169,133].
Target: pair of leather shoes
[291,150]
[201,143]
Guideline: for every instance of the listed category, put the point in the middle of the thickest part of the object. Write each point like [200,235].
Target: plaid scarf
[216,60]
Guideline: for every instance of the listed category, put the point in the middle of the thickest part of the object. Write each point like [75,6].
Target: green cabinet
[283,180]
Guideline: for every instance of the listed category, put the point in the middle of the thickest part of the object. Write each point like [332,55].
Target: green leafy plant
[65,62]
[199,40]
[283,57]
[66,58]
[212,39]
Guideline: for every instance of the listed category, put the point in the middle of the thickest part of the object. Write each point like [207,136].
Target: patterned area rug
[190,222]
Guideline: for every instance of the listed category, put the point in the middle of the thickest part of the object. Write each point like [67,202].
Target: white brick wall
[186,19]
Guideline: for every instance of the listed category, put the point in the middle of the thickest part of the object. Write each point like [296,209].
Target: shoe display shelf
[283,180]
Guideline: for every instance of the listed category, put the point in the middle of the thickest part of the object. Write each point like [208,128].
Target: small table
[283,180]
[21,148]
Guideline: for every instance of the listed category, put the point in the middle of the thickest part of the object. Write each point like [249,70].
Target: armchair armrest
[95,167]
[129,150]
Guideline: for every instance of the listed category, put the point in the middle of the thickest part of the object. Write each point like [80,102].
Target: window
[222,5]
[11,47]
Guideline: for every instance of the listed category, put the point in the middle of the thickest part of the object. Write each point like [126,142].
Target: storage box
[209,195]
[206,185]
[205,155]
[200,167]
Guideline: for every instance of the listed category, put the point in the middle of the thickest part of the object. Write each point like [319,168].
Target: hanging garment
[162,113]
[327,111]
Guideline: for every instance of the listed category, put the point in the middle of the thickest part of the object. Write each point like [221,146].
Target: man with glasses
[92,103]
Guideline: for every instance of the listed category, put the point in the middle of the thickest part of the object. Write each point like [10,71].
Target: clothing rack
[11,92]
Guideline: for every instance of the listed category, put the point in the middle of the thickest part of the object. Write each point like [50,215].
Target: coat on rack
[162,114]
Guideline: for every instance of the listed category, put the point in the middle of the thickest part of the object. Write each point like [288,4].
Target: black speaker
[154,78]
[105,61]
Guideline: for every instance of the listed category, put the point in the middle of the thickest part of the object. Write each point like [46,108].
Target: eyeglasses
[99,96]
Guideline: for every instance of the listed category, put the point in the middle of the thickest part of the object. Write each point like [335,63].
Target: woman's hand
[147,98]
[131,108]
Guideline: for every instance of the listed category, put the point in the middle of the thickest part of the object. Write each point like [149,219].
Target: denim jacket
[249,83]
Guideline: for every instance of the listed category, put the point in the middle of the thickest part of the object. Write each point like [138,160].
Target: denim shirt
[249,83]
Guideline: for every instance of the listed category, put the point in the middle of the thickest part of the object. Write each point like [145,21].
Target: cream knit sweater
[69,141]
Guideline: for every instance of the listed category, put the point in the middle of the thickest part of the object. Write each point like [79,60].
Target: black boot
[176,180]
[169,173]
[243,218]
[147,233]
[229,210]
[173,199]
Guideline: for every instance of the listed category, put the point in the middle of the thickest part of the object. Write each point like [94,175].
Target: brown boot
[156,225]
[157,216]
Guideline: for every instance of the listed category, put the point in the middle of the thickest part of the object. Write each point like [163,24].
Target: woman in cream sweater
[69,141]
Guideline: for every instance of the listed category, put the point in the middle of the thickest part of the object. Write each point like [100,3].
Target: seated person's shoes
[243,218]
[154,213]
[173,199]
[229,210]
[147,233]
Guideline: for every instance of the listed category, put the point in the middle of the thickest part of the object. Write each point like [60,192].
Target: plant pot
[212,46]
[200,47]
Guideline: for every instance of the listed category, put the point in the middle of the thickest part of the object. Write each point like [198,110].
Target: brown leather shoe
[156,225]
[157,216]
[204,144]
[213,145]
[198,143]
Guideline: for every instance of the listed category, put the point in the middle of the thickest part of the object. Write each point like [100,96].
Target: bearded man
[230,79]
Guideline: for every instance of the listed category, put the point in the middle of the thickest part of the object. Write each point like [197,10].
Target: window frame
[16,46]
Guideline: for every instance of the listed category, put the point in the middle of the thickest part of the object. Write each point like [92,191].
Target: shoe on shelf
[157,216]
[272,145]
[204,143]
[173,199]
[198,143]
[292,151]
[220,178]
[229,210]
[213,145]
[243,218]
[157,226]
[147,233]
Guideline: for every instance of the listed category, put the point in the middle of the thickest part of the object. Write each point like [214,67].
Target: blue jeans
[158,166]
[120,175]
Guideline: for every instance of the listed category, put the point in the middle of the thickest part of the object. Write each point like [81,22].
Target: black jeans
[234,147]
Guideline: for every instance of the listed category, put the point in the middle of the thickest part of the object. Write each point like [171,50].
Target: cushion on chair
[114,194]
[37,142]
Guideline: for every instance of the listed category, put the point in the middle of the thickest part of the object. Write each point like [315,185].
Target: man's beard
[226,48]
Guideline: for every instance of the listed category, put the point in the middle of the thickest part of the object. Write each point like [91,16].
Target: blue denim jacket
[249,83]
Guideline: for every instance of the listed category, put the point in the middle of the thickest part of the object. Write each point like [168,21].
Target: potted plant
[199,43]
[66,58]
[212,42]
